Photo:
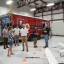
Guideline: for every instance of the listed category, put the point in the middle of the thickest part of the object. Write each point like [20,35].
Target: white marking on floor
[61,44]
[50,57]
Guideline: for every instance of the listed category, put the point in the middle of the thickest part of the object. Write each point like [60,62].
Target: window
[7,20]
[20,22]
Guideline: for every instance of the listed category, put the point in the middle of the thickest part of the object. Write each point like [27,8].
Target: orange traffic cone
[34,53]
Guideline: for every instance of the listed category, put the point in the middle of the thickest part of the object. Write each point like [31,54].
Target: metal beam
[32,2]
[43,1]
[20,4]
[45,9]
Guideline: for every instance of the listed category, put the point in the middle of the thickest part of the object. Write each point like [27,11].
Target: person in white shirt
[24,33]
[16,31]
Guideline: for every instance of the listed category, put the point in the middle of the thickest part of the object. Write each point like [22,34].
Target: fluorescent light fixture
[33,9]
[50,4]
[9,2]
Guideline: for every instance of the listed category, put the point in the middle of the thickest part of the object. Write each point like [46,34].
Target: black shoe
[15,44]
[18,45]
[36,46]
[4,48]
[27,50]
[7,47]
[45,46]
[23,50]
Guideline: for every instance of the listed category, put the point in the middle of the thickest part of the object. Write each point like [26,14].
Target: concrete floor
[19,56]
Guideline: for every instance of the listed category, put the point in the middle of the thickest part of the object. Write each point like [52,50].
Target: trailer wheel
[30,37]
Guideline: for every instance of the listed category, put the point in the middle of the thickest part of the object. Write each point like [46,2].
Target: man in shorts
[16,30]
[35,37]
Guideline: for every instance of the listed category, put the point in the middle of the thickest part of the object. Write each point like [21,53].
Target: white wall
[57,26]
[6,8]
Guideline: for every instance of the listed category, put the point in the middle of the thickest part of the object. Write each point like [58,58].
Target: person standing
[0,28]
[16,30]
[35,37]
[5,35]
[46,32]
[51,32]
[10,40]
[24,34]
[2,25]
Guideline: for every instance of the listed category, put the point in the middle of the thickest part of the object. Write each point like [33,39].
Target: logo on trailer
[27,26]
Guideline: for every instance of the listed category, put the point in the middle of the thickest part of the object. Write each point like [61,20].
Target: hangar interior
[35,13]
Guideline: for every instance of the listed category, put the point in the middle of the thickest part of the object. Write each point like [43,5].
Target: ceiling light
[9,2]
[50,4]
[33,9]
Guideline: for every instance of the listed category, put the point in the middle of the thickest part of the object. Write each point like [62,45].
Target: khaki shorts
[35,40]
[16,37]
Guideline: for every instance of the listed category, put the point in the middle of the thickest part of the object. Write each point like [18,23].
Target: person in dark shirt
[35,37]
[46,35]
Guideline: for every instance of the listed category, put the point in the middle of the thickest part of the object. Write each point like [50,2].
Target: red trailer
[33,22]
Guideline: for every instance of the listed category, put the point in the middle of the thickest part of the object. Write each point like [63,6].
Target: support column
[63,14]
[34,13]
[42,14]
[10,13]
[51,15]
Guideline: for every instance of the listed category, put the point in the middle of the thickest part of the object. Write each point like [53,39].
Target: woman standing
[10,40]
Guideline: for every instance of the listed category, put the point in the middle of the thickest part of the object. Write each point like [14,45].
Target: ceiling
[34,3]
[51,0]
[30,3]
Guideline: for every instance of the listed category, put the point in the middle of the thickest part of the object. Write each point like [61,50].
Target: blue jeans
[46,40]
[11,43]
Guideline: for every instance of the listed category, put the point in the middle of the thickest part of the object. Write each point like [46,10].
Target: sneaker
[18,45]
[45,46]
[8,56]
[27,50]
[36,46]
[23,50]
[15,44]
[12,54]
